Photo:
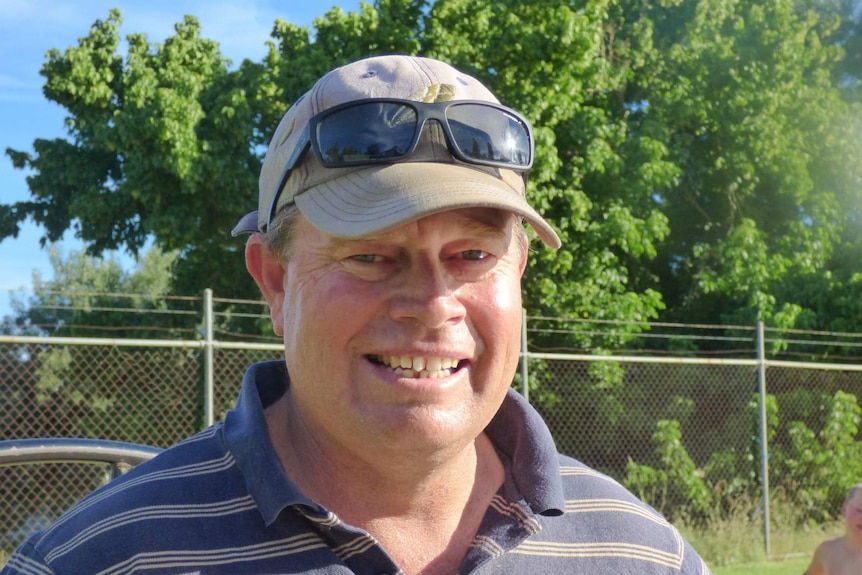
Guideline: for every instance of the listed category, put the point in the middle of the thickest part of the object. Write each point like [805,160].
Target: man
[388,244]
[842,555]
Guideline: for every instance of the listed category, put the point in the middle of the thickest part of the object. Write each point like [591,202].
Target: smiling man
[389,246]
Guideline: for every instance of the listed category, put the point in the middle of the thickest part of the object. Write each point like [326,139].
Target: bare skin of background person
[842,555]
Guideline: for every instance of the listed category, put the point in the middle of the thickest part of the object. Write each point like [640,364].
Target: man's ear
[524,257]
[268,271]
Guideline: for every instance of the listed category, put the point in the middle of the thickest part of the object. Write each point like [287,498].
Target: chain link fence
[621,415]
[34,495]
[606,425]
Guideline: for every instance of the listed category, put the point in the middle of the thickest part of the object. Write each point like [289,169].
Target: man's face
[408,339]
[852,512]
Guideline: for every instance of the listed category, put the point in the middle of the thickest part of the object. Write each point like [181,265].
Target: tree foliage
[813,462]
[89,297]
[700,158]
[748,96]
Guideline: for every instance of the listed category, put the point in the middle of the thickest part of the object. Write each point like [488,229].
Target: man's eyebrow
[337,241]
[483,228]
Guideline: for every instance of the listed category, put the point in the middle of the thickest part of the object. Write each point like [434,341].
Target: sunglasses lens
[366,132]
[489,134]
[370,132]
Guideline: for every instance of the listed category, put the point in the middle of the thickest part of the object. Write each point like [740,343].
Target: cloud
[12,83]
[242,32]
[240,28]
[37,21]
[21,85]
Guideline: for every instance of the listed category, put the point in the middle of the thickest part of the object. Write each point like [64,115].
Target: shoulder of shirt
[584,486]
[164,481]
[603,519]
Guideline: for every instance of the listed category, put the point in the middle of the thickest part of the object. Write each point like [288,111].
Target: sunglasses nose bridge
[426,122]
[433,130]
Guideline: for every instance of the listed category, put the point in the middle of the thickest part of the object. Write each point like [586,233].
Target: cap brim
[248,224]
[379,198]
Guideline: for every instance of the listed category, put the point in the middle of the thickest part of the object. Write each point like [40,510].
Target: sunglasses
[379,130]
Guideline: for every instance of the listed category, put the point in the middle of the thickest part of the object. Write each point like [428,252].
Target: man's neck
[446,523]
[853,543]
[439,501]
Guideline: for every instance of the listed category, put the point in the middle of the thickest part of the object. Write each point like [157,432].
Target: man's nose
[427,294]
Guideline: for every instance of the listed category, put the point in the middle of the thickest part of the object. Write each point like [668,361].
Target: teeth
[420,367]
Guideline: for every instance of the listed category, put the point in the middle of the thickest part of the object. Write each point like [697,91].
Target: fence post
[525,382]
[209,348]
[764,451]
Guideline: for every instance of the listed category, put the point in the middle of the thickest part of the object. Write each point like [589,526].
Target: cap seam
[421,69]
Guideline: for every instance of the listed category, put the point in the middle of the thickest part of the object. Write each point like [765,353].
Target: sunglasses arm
[297,153]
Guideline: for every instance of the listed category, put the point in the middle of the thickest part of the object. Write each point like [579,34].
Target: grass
[733,543]
[795,566]
[728,546]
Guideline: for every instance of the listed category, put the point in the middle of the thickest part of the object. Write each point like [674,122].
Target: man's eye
[474,254]
[366,258]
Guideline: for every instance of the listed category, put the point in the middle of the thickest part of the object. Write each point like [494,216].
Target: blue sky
[29,28]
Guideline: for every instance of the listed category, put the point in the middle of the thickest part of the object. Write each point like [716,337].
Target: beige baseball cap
[356,201]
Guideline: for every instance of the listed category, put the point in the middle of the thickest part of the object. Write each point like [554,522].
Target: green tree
[167,143]
[593,176]
[674,488]
[701,158]
[161,145]
[143,395]
[95,297]
[747,98]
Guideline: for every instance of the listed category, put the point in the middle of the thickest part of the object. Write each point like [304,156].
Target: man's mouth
[419,367]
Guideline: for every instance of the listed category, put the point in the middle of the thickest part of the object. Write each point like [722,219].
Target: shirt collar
[520,434]
[517,431]
[247,438]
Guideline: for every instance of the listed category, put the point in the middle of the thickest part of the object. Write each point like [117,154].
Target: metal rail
[121,455]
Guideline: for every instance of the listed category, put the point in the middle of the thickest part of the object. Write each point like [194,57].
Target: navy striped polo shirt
[220,503]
